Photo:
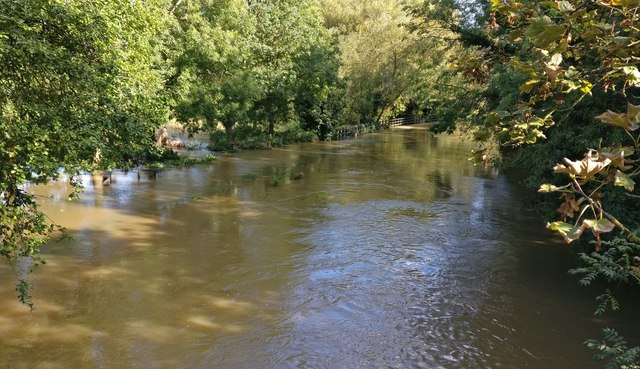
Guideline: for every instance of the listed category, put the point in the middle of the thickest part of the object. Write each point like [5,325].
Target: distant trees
[382,61]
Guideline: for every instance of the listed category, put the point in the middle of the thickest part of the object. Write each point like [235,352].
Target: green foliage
[262,66]
[79,89]
[618,262]
[212,83]
[244,137]
[615,350]
[558,83]
[382,61]
[279,176]
[555,79]
[320,96]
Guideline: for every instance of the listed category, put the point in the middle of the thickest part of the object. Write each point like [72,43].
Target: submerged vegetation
[549,86]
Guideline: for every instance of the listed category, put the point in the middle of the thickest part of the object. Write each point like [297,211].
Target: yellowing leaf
[551,71]
[566,230]
[633,75]
[633,115]
[545,188]
[614,119]
[629,121]
[586,167]
[623,180]
[565,6]
[556,59]
[528,86]
[601,226]
[627,3]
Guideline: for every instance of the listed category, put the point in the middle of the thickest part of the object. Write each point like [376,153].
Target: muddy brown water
[392,251]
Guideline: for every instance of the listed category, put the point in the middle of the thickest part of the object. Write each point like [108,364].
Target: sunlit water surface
[392,251]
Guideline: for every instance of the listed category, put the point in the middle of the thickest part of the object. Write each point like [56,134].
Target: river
[391,251]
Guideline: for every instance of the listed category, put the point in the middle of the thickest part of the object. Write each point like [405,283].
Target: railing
[414,119]
[345,132]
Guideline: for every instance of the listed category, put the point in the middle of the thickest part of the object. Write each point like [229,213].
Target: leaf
[614,119]
[605,26]
[565,6]
[551,33]
[633,75]
[628,3]
[537,26]
[572,73]
[621,40]
[617,151]
[551,71]
[629,121]
[623,180]
[601,226]
[528,86]
[633,115]
[491,119]
[566,230]
[586,87]
[523,68]
[546,188]
[586,167]
[618,155]
[556,59]
[516,35]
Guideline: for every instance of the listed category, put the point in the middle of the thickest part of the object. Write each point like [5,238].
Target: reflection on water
[391,252]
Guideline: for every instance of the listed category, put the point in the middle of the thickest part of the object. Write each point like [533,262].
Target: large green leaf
[550,34]
[538,26]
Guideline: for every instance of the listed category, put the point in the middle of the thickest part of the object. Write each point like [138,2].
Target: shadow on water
[391,251]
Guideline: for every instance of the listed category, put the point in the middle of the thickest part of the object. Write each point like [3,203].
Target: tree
[289,34]
[383,62]
[319,91]
[558,84]
[79,90]
[244,66]
[211,64]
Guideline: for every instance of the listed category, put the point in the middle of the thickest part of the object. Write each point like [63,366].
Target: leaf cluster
[615,350]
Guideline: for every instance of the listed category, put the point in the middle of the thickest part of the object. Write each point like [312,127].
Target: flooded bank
[390,251]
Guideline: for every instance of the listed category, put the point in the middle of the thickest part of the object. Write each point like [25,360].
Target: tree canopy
[80,89]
